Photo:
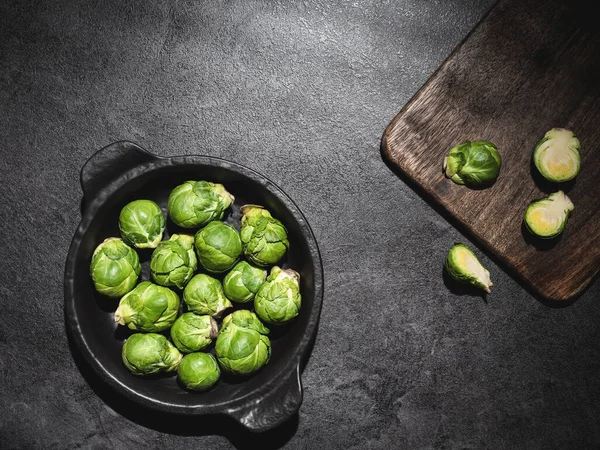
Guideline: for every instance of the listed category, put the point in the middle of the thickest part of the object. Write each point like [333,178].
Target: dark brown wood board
[528,66]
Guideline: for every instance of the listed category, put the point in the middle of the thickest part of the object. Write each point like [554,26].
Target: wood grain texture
[527,67]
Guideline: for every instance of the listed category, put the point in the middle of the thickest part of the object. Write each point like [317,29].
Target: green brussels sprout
[173,263]
[198,371]
[149,307]
[264,238]
[149,353]
[142,223]
[204,295]
[242,346]
[278,300]
[556,155]
[547,217]
[463,266]
[474,164]
[115,268]
[242,282]
[196,203]
[191,332]
[218,246]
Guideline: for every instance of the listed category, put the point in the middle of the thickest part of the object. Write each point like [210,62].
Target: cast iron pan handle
[107,164]
[274,408]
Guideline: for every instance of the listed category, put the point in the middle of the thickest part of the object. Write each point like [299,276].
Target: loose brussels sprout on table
[242,346]
[473,163]
[148,307]
[556,155]
[264,238]
[142,223]
[463,266]
[115,268]
[218,246]
[192,332]
[204,295]
[242,282]
[278,300]
[547,217]
[173,263]
[196,203]
[198,371]
[149,353]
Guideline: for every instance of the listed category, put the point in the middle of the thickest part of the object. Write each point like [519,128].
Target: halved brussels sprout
[142,223]
[191,332]
[204,295]
[547,217]
[473,163]
[196,203]
[556,155]
[278,300]
[264,238]
[173,263]
[218,246]
[242,346]
[242,282]
[149,353]
[463,266]
[198,371]
[115,268]
[149,307]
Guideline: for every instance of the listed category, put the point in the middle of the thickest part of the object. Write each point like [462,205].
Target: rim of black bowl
[225,407]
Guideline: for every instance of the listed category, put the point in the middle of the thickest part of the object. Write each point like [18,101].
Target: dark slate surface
[301,92]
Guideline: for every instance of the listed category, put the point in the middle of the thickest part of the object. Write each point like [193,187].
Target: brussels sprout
[264,238]
[195,203]
[198,371]
[191,332]
[243,281]
[149,307]
[474,164]
[142,223]
[115,268]
[463,266]
[242,346]
[149,353]
[556,155]
[204,295]
[173,263]
[547,217]
[278,300]
[218,246]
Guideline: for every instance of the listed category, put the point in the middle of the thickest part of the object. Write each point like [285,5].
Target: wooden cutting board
[528,66]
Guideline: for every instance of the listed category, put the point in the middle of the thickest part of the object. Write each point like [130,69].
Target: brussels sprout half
[242,346]
[264,238]
[218,246]
[204,295]
[115,268]
[463,266]
[142,223]
[192,332]
[198,371]
[148,307]
[149,353]
[196,203]
[556,155]
[474,164]
[547,217]
[278,300]
[242,282]
[173,263]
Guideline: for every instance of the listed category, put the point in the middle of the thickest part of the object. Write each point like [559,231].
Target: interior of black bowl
[103,338]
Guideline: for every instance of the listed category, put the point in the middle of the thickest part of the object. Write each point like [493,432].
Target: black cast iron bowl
[122,172]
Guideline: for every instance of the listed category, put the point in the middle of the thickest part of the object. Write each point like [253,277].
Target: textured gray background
[300,92]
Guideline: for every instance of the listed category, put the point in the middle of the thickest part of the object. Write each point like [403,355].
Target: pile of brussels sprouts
[222,274]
